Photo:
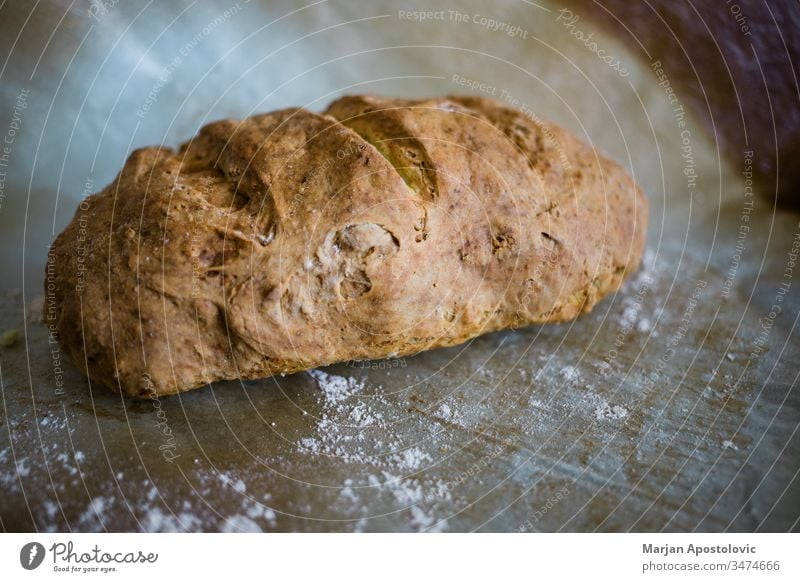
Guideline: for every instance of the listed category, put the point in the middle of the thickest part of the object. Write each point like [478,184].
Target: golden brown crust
[291,240]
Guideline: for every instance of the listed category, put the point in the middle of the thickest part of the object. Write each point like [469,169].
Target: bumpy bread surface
[382,227]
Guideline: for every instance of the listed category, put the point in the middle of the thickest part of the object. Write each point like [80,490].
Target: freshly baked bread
[292,240]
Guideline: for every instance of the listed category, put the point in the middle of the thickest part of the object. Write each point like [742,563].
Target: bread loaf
[291,240]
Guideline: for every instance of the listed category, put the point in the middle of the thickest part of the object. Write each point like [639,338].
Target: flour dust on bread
[292,240]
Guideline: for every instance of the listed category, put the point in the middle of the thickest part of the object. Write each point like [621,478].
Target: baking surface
[673,405]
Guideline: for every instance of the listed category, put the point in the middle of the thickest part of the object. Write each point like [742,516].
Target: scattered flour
[238,484]
[569,373]
[341,431]
[336,388]
[605,411]
[729,445]
[141,505]
[412,458]
[257,511]
[156,520]
[23,469]
[92,516]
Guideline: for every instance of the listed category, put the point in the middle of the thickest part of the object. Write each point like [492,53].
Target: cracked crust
[291,240]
